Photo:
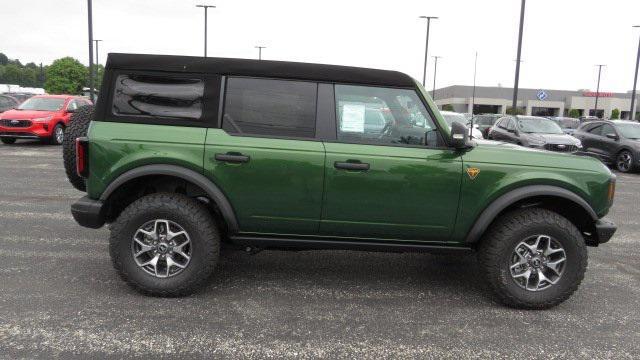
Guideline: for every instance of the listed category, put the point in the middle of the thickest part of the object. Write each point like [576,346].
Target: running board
[327,244]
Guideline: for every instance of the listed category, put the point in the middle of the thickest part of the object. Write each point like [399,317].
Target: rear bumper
[605,229]
[88,212]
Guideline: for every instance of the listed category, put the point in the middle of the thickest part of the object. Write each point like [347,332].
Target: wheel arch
[159,173]
[560,200]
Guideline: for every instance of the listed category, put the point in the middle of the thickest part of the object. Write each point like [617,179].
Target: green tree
[615,114]
[519,111]
[4,60]
[574,113]
[65,76]
[447,107]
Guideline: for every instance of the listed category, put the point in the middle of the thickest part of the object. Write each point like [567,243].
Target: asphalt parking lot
[59,295]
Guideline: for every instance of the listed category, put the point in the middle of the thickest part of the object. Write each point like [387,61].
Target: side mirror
[459,136]
[612,136]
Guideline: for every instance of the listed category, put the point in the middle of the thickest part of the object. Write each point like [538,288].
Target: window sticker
[352,118]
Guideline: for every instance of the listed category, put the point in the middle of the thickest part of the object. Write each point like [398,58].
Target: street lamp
[205,7]
[426,48]
[91,74]
[435,71]
[97,52]
[516,83]
[595,112]
[632,111]
[260,51]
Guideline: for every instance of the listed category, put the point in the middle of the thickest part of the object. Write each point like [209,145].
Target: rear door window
[268,107]
[158,97]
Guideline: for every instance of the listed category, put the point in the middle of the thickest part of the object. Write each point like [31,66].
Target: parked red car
[41,117]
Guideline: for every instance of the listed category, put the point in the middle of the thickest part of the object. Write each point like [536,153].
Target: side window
[158,97]
[595,130]
[607,129]
[511,125]
[375,115]
[73,105]
[268,107]
[502,123]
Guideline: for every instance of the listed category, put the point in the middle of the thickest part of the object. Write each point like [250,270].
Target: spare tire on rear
[78,126]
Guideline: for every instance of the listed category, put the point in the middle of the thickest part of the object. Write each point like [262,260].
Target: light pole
[595,111]
[435,71]
[473,95]
[97,52]
[516,83]
[632,111]
[426,48]
[260,51]
[91,74]
[205,7]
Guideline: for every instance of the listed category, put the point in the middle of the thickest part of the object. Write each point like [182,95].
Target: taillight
[82,152]
[612,190]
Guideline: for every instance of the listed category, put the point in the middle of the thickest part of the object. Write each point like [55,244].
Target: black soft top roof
[262,68]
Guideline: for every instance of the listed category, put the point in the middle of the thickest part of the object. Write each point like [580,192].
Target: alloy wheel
[624,161]
[537,263]
[59,134]
[161,248]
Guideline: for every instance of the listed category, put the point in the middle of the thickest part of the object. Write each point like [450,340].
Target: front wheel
[533,258]
[57,136]
[165,244]
[8,141]
[624,161]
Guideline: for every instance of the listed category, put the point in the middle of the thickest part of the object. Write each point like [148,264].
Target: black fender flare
[212,190]
[498,205]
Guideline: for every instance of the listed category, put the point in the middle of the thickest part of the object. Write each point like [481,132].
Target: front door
[394,182]
[266,159]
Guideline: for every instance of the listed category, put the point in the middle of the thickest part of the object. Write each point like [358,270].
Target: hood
[553,138]
[25,114]
[498,152]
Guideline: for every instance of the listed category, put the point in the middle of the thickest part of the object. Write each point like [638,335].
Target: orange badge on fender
[473,172]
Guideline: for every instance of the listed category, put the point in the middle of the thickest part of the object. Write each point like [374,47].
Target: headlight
[42,119]
[579,144]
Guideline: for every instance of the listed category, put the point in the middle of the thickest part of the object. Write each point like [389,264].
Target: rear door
[395,183]
[265,158]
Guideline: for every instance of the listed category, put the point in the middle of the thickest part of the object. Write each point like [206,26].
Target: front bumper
[605,229]
[35,131]
[88,212]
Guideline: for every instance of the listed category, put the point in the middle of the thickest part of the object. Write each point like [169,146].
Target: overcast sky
[563,39]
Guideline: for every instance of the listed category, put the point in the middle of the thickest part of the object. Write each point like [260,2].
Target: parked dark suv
[535,132]
[185,154]
[614,142]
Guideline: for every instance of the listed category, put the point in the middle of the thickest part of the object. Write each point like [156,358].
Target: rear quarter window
[158,97]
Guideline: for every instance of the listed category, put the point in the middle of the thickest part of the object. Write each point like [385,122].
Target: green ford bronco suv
[184,154]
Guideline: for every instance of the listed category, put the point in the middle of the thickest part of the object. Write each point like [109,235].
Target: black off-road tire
[196,220]
[78,126]
[498,244]
[8,141]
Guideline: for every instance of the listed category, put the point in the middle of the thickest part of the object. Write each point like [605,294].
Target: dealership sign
[594,94]
[542,95]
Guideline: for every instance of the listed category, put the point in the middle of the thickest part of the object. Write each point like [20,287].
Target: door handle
[351,165]
[232,157]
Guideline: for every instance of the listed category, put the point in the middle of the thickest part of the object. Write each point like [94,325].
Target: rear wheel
[533,258]
[8,141]
[624,161]
[165,244]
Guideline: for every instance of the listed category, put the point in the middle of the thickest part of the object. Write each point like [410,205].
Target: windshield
[451,117]
[569,123]
[630,131]
[44,104]
[538,125]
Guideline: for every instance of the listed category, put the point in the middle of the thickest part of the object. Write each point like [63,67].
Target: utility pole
[632,111]
[91,74]
[595,112]
[435,71]
[514,105]
[205,7]
[473,96]
[260,51]
[426,48]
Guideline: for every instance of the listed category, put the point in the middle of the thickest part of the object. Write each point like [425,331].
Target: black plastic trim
[605,229]
[490,212]
[200,180]
[88,212]
[324,244]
